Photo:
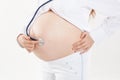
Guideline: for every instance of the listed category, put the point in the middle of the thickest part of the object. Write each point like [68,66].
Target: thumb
[35,42]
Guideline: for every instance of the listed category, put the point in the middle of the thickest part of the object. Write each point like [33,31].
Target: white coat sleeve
[109,26]
[110,9]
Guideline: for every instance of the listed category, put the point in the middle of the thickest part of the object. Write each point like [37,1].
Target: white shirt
[77,12]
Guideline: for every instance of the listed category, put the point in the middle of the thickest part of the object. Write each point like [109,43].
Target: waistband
[69,57]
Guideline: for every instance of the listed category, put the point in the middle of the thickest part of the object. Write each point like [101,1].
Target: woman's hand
[84,44]
[26,42]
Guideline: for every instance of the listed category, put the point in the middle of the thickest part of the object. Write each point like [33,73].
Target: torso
[58,34]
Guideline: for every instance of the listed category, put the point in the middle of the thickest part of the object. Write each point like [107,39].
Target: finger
[83,35]
[86,49]
[75,47]
[83,41]
[80,41]
[77,43]
[81,47]
[30,42]
[29,46]
[35,42]
[29,49]
[27,38]
[82,50]
[24,37]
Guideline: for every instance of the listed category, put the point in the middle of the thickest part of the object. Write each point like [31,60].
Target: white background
[17,64]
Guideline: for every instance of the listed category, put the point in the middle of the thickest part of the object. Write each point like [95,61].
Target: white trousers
[72,67]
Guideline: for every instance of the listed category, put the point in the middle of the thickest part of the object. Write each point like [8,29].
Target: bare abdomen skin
[58,34]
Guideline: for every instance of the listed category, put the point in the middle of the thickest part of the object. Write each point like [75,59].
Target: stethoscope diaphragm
[41,42]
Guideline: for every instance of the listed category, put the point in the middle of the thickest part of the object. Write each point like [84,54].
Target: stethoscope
[41,41]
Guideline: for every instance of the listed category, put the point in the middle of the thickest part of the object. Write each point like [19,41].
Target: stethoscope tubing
[34,18]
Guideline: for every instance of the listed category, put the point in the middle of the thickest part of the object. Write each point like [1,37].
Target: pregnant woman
[58,35]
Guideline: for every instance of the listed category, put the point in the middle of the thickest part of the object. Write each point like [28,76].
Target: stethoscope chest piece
[41,42]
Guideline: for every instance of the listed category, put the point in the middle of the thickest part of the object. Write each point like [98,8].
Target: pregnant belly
[58,35]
